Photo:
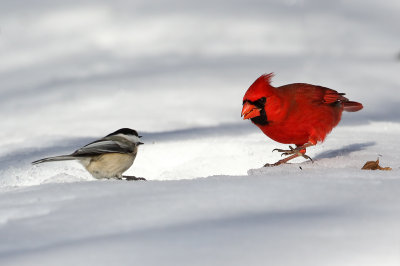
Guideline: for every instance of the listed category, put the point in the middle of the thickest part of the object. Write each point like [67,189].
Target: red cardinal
[299,113]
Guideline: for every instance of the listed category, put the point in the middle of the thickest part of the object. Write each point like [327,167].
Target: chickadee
[107,157]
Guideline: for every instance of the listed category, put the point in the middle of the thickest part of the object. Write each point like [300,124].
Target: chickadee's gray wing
[103,146]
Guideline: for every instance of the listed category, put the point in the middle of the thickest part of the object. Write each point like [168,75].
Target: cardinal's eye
[261,102]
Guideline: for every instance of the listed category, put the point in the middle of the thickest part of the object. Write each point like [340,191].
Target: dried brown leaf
[374,165]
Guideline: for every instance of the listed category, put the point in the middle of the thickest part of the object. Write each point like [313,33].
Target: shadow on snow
[344,150]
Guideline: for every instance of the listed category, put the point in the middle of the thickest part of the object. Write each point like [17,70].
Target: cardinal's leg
[293,152]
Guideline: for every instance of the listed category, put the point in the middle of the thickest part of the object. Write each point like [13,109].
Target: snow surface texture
[176,71]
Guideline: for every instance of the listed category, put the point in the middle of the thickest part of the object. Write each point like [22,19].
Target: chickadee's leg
[133,178]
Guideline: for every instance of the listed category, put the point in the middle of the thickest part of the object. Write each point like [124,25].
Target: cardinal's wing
[315,94]
[332,96]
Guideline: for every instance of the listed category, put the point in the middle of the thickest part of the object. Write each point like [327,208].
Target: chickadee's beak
[250,111]
[139,136]
[140,143]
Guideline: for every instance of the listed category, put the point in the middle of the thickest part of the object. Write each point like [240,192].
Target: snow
[176,72]
[212,221]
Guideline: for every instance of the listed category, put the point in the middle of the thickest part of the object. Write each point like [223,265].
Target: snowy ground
[176,71]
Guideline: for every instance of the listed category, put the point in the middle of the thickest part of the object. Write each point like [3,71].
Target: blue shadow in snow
[229,129]
[344,150]
[69,145]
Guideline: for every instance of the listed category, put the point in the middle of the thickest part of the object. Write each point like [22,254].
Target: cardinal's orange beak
[250,111]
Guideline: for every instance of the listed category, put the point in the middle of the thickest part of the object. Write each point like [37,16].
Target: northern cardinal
[299,113]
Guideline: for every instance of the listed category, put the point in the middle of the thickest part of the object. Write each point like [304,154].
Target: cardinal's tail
[350,106]
[56,158]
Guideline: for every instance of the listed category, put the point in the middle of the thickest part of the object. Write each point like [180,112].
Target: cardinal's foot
[298,150]
[293,152]
[272,164]
[132,178]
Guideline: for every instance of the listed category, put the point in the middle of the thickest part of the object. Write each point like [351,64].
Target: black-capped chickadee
[107,157]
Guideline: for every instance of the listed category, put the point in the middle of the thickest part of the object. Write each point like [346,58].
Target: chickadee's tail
[55,158]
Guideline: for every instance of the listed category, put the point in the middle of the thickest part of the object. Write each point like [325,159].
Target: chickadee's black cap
[125,131]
